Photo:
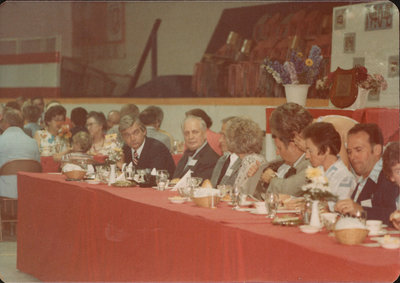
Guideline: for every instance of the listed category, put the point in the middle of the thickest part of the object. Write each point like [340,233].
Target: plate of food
[287,220]
[124,184]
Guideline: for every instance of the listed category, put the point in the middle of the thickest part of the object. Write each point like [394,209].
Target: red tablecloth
[73,231]
[49,165]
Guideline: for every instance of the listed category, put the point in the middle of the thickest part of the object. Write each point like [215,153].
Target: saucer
[177,200]
[309,229]
[377,233]
[254,211]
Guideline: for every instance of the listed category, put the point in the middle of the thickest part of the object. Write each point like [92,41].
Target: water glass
[362,216]
[271,204]
[235,197]
[162,179]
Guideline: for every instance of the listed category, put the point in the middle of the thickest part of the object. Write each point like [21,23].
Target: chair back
[12,167]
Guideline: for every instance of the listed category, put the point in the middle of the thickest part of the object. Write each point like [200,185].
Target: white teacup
[260,207]
[374,226]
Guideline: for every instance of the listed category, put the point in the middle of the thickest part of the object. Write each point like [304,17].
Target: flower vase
[113,176]
[361,100]
[315,219]
[296,93]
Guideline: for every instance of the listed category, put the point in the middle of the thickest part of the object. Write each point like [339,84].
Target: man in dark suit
[142,151]
[199,156]
[374,193]
[227,167]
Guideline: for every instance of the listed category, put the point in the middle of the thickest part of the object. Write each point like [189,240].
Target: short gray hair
[191,117]
[128,121]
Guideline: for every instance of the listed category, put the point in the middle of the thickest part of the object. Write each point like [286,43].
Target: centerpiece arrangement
[297,73]
[316,189]
[367,83]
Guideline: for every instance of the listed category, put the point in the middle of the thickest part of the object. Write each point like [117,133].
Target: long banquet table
[74,231]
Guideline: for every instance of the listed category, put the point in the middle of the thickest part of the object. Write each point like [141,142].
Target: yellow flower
[309,62]
[299,54]
[312,173]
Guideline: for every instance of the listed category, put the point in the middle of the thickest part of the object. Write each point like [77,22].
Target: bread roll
[206,184]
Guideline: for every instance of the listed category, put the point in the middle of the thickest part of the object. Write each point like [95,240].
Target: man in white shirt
[198,157]
[374,193]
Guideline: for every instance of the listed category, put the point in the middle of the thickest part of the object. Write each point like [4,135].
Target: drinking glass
[235,197]
[362,216]
[162,179]
[271,204]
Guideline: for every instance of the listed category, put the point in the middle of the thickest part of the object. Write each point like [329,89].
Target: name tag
[192,162]
[366,203]
[229,172]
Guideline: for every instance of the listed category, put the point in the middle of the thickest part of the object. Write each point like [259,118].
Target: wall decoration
[349,42]
[393,66]
[340,19]
[358,61]
[378,16]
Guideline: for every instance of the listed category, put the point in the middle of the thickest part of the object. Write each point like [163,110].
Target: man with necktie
[374,193]
[227,167]
[144,152]
[198,156]
[286,121]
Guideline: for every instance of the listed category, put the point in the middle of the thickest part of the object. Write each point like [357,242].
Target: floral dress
[50,145]
[111,148]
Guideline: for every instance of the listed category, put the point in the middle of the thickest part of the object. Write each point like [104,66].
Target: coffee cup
[374,226]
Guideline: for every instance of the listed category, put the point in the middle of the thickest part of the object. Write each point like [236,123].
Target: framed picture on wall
[393,66]
[340,19]
[349,42]
[378,16]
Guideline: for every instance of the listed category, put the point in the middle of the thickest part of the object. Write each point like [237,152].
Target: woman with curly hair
[244,137]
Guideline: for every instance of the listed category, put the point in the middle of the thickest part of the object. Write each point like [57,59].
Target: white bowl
[309,229]
[391,245]
[177,200]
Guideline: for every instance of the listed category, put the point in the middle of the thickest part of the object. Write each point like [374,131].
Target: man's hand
[299,141]
[253,169]
[268,175]
[348,206]
[395,218]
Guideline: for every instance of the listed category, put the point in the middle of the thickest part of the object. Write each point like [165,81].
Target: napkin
[90,168]
[123,167]
[121,177]
[183,182]
[154,172]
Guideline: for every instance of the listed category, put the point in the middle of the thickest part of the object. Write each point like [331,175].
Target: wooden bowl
[351,236]
[206,201]
[75,174]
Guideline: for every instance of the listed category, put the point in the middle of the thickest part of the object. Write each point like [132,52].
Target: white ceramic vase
[315,220]
[113,176]
[361,100]
[296,93]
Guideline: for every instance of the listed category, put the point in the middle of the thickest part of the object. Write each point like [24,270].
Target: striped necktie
[135,158]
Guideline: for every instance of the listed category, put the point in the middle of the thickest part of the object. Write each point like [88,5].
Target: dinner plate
[258,212]
[378,233]
[288,211]
[245,209]
[176,200]
[93,182]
